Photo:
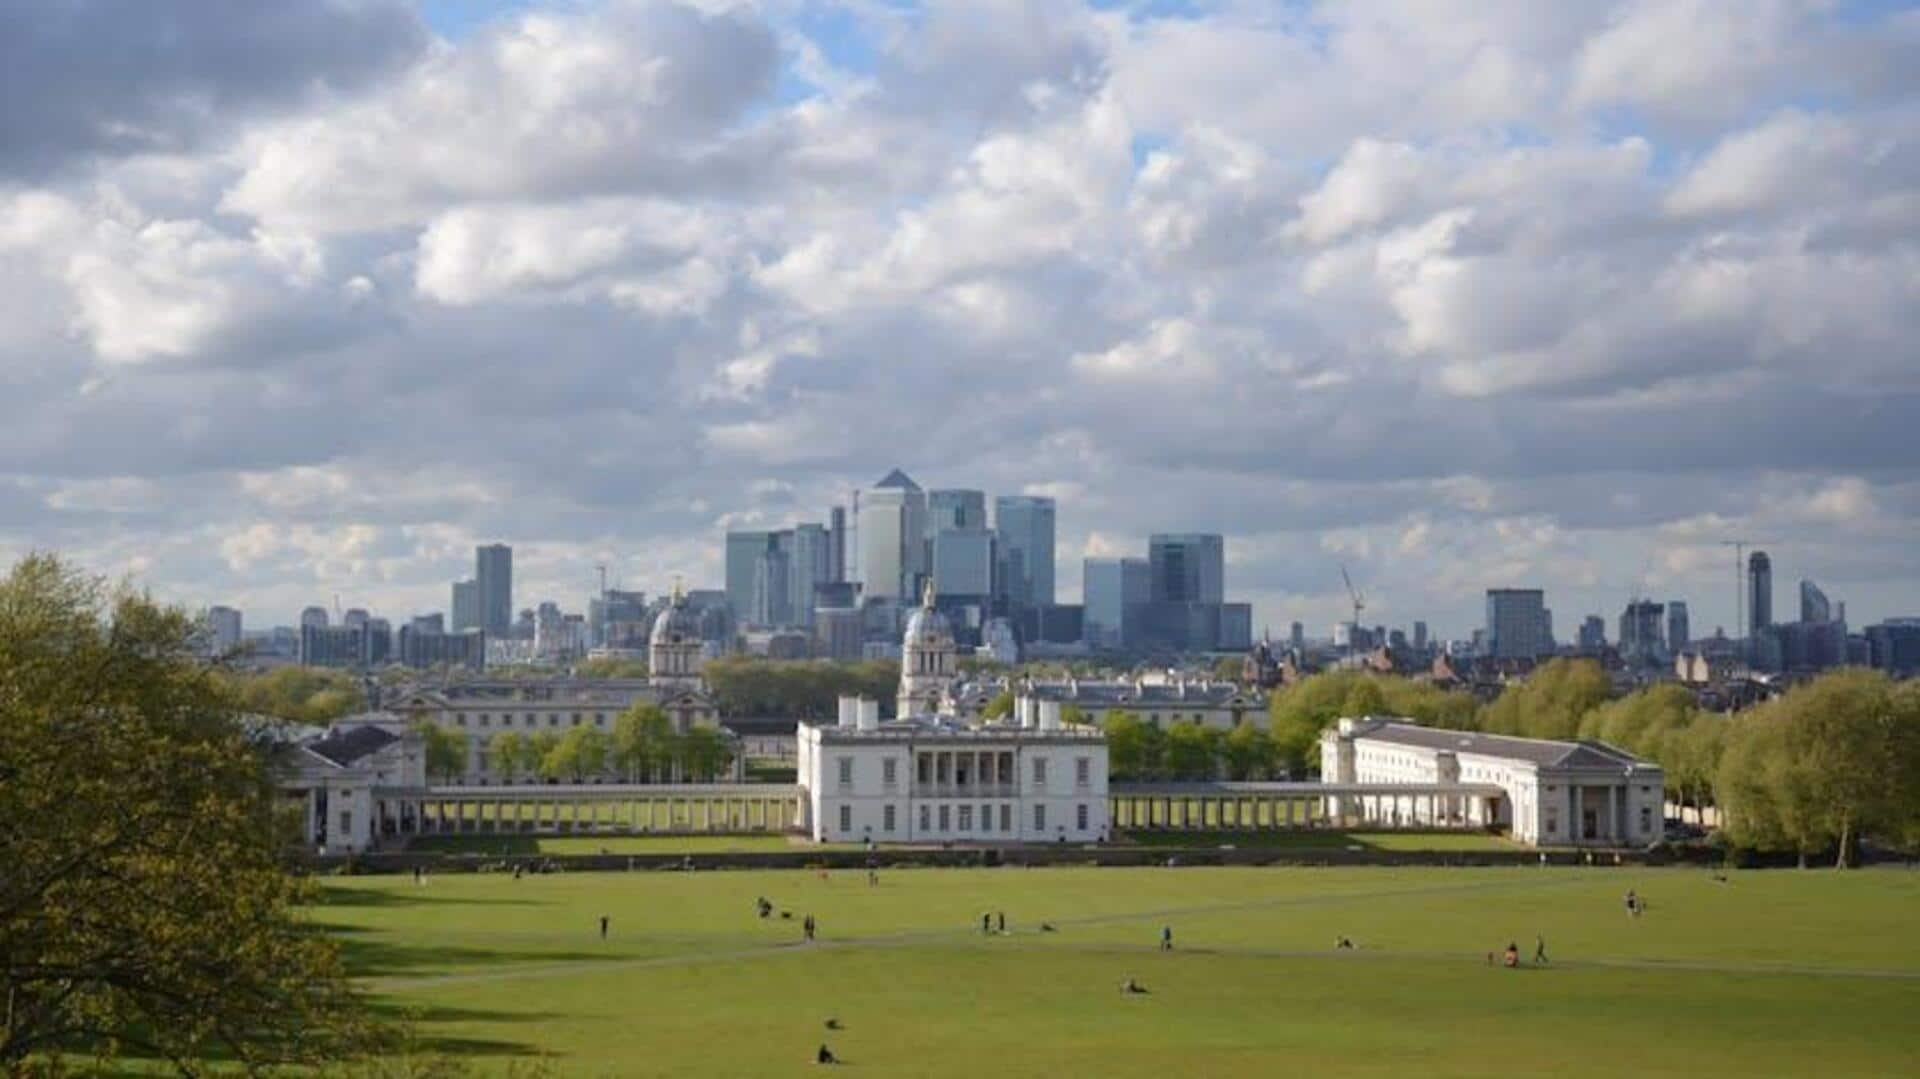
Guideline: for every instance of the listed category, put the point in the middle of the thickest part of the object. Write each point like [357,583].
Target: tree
[504,753]
[1249,752]
[1128,755]
[143,903]
[313,695]
[610,667]
[1191,751]
[704,753]
[446,750]
[1551,702]
[998,706]
[580,753]
[1818,768]
[541,757]
[643,741]
[1228,668]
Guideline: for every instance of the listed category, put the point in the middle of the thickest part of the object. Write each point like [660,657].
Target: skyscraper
[1641,625]
[892,519]
[1813,604]
[313,618]
[1679,629]
[1187,567]
[1419,636]
[1025,526]
[493,576]
[1593,633]
[809,565]
[1517,626]
[1759,593]
[465,607]
[837,544]
[746,570]
[1115,592]
[223,630]
[955,509]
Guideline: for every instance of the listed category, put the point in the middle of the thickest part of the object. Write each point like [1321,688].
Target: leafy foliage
[315,695]
[142,903]
[809,689]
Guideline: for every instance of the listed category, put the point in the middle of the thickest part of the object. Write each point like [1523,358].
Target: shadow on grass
[365,958]
[348,895]
[495,845]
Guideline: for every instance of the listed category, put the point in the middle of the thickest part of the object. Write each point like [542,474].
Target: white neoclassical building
[333,774]
[926,777]
[1552,793]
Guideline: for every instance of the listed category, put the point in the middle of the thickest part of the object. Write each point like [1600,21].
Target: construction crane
[1359,604]
[1739,584]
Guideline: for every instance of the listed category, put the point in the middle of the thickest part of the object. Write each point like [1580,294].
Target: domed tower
[673,652]
[926,660]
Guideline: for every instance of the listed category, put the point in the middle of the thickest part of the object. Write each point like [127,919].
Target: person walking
[806,928]
[1540,949]
[1166,938]
[603,927]
[986,924]
[1002,918]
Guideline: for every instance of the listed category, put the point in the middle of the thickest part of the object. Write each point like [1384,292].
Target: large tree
[143,904]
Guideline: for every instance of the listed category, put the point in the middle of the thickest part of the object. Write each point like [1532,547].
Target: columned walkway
[602,809]
[1224,806]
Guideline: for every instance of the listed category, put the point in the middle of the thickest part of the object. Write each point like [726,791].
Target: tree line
[642,747]
[1812,772]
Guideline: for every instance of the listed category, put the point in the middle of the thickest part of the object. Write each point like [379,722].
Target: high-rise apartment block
[1025,527]
[493,577]
[1115,593]
[1518,626]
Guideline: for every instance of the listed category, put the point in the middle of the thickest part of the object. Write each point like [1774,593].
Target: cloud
[1459,293]
[107,78]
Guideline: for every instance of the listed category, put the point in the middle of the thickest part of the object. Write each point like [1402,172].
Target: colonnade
[1213,813]
[479,813]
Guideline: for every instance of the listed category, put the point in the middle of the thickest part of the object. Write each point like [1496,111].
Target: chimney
[1049,715]
[849,711]
[867,714]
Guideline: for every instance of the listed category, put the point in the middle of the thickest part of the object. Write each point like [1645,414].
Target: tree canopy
[143,905]
[809,689]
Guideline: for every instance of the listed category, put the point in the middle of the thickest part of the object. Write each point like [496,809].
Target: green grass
[1323,840]
[1773,973]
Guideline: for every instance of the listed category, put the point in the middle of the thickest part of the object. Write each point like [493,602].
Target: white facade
[926,661]
[928,779]
[1555,793]
[333,773]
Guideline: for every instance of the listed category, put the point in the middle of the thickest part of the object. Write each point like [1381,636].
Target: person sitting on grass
[1132,988]
[825,1055]
[1513,956]
[1345,944]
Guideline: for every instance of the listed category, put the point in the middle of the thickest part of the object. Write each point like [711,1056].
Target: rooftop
[1538,751]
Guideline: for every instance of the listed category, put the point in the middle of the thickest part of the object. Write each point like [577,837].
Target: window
[1039,818]
[925,818]
[553,721]
[346,823]
[1082,770]
[1039,771]
[461,718]
[946,819]
[576,719]
[1006,817]
[1646,819]
[1553,822]
[986,818]
[966,818]
[599,718]
[1080,816]
[483,719]
[846,771]
[886,818]
[889,770]
[846,819]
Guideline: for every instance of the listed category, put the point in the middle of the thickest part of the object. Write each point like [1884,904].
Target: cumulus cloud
[303,298]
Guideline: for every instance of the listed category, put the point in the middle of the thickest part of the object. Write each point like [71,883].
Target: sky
[304,299]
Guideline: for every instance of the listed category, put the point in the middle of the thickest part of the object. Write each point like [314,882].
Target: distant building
[425,646]
[1025,527]
[892,519]
[1187,567]
[333,646]
[493,577]
[1642,640]
[1679,630]
[465,608]
[1517,623]
[837,633]
[1297,634]
[1813,603]
[223,630]
[1115,594]
[1593,633]
[1163,703]
[1419,636]
[1759,593]
[1894,646]
[1551,793]
[617,619]
[956,510]
[315,617]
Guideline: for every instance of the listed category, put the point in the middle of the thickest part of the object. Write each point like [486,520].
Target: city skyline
[1477,296]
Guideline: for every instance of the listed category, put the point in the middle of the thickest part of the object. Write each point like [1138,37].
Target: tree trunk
[1843,859]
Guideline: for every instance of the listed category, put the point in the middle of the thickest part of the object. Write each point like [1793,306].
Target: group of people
[987,922]
[1510,958]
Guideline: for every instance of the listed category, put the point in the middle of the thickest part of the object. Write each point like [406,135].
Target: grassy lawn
[1773,973]
[1322,840]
